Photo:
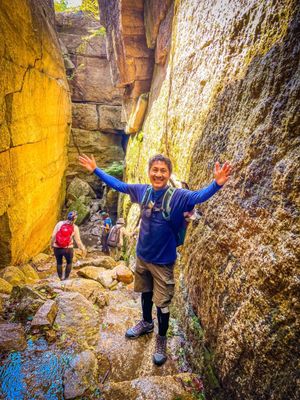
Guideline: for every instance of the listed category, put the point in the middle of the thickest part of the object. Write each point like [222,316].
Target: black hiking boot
[141,328]
[160,354]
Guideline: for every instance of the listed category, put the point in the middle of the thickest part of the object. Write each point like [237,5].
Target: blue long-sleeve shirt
[157,237]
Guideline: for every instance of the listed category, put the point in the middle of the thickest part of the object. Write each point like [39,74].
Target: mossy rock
[82,210]
[5,287]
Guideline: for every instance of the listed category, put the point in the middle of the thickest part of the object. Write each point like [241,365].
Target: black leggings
[59,254]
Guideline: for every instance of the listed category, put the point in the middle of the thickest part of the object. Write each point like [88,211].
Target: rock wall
[229,90]
[34,124]
[96,104]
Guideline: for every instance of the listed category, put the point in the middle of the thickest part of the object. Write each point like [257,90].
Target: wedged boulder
[123,274]
[85,116]
[82,210]
[45,315]
[77,318]
[5,287]
[90,272]
[25,301]
[137,115]
[30,273]
[12,337]
[90,289]
[101,261]
[110,118]
[78,188]
[14,276]
[152,388]
[81,375]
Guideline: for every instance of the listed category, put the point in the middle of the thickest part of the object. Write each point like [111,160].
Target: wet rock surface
[12,337]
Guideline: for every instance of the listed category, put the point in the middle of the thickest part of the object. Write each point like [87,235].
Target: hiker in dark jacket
[156,247]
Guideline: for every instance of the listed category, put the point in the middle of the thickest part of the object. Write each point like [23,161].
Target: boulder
[85,116]
[78,188]
[14,276]
[137,115]
[101,261]
[45,315]
[30,273]
[12,337]
[81,375]
[82,210]
[77,318]
[5,287]
[123,274]
[90,289]
[110,118]
[40,260]
[164,38]
[90,272]
[107,278]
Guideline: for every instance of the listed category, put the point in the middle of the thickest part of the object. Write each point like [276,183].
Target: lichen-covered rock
[78,188]
[123,274]
[34,130]
[82,210]
[30,273]
[85,116]
[12,337]
[14,276]
[77,318]
[40,259]
[230,90]
[80,375]
[45,315]
[90,272]
[5,286]
[26,300]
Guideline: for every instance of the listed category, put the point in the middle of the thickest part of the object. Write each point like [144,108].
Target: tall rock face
[229,90]
[34,123]
[97,126]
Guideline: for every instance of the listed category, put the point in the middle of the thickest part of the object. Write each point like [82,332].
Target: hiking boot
[160,354]
[141,328]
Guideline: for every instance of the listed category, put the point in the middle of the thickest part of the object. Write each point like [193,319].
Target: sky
[74,3]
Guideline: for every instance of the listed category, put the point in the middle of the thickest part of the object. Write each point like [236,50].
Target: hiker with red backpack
[162,229]
[62,241]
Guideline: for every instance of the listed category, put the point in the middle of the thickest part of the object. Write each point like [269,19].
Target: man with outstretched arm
[156,247]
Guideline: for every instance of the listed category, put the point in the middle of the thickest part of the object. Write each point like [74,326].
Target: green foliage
[116,169]
[60,5]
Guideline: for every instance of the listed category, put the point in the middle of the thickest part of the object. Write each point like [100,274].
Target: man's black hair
[160,157]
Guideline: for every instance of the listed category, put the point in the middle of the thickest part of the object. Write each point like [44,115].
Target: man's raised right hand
[87,162]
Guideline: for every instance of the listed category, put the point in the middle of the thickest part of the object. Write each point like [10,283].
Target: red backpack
[63,236]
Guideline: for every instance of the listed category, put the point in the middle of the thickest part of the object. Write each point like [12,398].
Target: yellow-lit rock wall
[34,128]
[230,91]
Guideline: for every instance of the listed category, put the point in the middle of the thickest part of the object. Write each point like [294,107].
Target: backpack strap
[166,209]
[147,196]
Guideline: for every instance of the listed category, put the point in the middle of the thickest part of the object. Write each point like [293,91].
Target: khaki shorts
[157,278]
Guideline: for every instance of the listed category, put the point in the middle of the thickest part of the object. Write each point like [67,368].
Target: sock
[147,306]
[59,271]
[68,270]
[163,320]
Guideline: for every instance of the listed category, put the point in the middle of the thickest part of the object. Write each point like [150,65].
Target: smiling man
[161,222]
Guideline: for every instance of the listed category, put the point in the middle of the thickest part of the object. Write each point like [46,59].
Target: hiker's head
[160,170]
[121,221]
[72,216]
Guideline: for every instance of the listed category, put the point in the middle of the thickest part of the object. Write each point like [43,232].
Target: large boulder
[90,289]
[110,118]
[85,116]
[100,261]
[82,210]
[78,188]
[77,318]
[90,272]
[12,337]
[5,287]
[81,375]
[123,274]
[14,276]
[25,301]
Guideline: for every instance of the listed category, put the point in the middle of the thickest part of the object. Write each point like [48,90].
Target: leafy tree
[60,5]
[91,7]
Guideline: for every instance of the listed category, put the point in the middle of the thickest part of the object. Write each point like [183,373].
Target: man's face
[159,175]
